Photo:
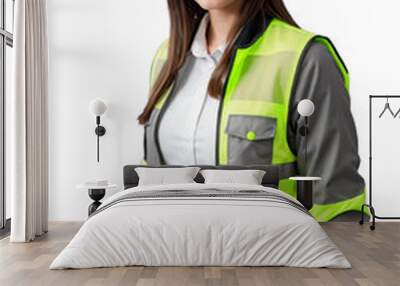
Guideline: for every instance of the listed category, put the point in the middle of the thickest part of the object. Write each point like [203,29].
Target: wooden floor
[375,257]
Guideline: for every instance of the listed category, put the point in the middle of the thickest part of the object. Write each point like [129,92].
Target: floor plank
[375,257]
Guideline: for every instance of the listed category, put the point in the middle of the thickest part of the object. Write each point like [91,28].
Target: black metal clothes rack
[370,204]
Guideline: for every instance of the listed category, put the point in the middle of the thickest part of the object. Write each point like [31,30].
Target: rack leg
[371,208]
[362,215]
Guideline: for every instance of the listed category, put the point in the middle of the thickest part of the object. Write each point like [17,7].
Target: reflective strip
[285,185]
[158,61]
[324,213]
[328,212]
[289,187]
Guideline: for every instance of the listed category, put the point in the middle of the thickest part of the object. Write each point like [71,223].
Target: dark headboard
[273,173]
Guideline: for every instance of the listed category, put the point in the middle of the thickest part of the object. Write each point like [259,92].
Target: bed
[198,224]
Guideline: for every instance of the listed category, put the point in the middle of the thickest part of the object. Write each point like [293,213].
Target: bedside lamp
[97,107]
[305,108]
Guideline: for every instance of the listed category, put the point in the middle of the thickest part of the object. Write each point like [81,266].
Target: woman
[225,89]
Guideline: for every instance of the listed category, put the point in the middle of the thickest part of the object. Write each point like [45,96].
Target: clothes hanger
[397,113]
[387,107]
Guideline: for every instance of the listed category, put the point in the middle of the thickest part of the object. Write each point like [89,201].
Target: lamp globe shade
[97,107]
[305,107]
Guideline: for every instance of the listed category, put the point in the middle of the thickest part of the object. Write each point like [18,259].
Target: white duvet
[200,231]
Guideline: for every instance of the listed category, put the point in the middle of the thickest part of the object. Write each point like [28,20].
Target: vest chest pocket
[250,139]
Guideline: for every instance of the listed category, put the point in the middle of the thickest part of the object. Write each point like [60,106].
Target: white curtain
[28,120]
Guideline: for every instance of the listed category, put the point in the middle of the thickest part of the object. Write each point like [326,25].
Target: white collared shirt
[188,128]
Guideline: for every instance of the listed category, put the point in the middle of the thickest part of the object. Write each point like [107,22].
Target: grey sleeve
[332,141]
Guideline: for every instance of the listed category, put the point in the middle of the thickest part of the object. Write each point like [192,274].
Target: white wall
[103,48]
[98,48]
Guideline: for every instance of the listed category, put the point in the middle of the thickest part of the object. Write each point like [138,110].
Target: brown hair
[185,16]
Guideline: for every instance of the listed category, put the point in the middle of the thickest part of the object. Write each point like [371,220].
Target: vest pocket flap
[251,128]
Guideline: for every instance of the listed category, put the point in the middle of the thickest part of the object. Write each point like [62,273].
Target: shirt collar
[199,44]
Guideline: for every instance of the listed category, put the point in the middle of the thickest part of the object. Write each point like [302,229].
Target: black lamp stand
[100,131]
[305,187]
[96,195]
[304,130]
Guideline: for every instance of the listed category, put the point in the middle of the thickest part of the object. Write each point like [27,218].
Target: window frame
[6,39]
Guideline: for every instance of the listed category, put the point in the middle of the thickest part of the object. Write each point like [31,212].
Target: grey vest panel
[152,155]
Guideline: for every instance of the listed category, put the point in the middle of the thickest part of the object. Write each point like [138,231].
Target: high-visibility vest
[253,117]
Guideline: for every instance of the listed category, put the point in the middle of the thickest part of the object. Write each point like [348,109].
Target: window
[6,44]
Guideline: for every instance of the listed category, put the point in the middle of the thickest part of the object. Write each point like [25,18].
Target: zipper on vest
[157,123]
[221,104]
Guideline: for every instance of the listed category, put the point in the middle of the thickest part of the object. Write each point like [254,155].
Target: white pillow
[248,177]
[166,176]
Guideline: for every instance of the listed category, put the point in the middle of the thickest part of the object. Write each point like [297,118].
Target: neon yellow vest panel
[254,111]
